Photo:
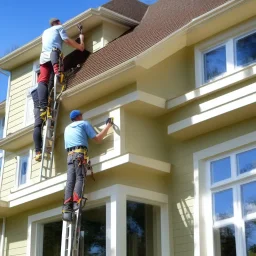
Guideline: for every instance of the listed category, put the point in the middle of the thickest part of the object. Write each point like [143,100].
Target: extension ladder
[72,236]
[49,130]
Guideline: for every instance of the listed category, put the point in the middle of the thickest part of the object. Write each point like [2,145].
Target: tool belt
[54,49]
[86,162]
[77,147]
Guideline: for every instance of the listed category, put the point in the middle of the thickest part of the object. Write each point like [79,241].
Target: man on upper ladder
[76,143]
[52,40]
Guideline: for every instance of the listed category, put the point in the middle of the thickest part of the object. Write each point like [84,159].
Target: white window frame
[228,39]
[2,122]
[204,244]
[29,101]
[115,199]
[28,181]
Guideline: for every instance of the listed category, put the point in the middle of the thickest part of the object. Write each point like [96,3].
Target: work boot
[43,114]
[76,205]
[67,212]
[38,156]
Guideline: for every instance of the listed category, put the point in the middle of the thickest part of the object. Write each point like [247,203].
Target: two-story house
[177,173]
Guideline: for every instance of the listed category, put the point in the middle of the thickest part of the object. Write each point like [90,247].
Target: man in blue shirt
[76,137]
[52,40]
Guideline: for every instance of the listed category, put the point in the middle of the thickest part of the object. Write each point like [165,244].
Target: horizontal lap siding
[21,82]
[9,173]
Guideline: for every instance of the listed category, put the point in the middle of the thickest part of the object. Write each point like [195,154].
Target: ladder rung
[48,138]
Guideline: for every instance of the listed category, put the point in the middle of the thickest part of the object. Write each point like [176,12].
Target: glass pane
[250,232]
[220,170]
[52,239]
[94,227]
[246,161]
[225,242]
[143,231]
[246,50]
[214,63]
[1,128]
[23,170]
[249,198]
[30,111]
[223,204]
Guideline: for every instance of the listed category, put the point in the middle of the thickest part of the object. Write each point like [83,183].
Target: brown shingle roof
[161,19]
[129,8]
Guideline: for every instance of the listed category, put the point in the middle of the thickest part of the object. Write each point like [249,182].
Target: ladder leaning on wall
[49,129]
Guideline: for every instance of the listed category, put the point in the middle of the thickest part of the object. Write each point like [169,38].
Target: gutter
[135,61]
[100,78]
[101,11]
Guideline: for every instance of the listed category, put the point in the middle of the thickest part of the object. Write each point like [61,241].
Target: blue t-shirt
[77,133]
[53,37]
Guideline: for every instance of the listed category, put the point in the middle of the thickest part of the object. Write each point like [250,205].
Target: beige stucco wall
[181,187]
[170,78]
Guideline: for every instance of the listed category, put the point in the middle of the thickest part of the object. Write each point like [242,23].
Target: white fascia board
[223,83]
[211,113]
[11,138]
[124,100]
[58,183]
[180,36]
[133,159]
[101,11]
[44,186]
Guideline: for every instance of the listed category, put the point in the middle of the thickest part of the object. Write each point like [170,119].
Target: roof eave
[154,54]
[35,45]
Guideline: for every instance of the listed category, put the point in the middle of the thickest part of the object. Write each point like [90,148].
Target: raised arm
[74,44]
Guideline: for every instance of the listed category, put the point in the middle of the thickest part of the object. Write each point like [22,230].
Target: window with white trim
[1,127]
[29,111]
[225,55]
[23,169]
[233,202]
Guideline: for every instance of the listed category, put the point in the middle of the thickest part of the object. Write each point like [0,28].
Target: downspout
[7,107]
[2,237]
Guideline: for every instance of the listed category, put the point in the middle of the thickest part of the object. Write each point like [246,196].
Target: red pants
[46,70]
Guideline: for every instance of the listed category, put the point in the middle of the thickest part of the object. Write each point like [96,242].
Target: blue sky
[22,21]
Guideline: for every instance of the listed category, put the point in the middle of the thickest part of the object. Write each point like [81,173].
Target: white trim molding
[228,40]
[38,190]
[203,242]
[115,198]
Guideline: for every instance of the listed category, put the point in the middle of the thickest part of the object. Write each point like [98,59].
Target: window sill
[22,187]
[17,140]
[220,84]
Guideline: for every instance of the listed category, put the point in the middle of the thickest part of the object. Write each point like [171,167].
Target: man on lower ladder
[76,143]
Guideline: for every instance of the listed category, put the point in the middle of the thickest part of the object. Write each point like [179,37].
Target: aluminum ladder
[72,235]
[49,130]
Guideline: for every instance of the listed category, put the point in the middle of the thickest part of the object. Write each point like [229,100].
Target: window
[29,111]
[214,63]
[52,232]
[1,128]
[227,56]
[141,228]
[94,235]
[233,193]
[23,169]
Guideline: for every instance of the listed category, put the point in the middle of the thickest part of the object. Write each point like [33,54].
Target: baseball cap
[75,113]
[53,20]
